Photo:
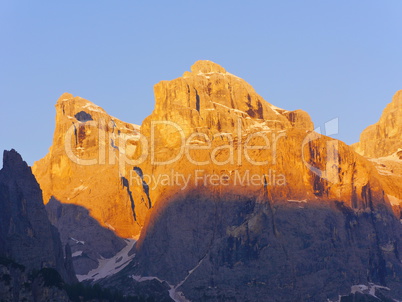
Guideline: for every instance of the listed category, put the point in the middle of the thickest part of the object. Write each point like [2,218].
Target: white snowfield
[384,164]
[366,289]
[111,266]
[93,107]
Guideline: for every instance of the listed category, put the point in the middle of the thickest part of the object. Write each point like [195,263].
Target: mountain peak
[12,160]
[65,96]
[70,105]
[205,66]
[212,99]
[84,133]
[397,99]
[384,137]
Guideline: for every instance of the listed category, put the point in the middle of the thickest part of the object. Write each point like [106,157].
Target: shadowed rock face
[25,231]
[223,247]
[88,240]
[17,284]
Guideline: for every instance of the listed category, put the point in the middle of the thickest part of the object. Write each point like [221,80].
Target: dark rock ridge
[26,234]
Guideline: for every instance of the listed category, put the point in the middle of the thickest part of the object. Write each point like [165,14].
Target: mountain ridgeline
[218,196]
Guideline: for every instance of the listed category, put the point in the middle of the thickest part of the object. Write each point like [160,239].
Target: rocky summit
[82,168]
[384,137]
[381,144]
[221,196]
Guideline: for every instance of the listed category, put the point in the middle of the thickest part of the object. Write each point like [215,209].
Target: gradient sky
[330,58]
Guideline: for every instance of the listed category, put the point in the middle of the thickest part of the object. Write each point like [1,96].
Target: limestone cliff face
[210,100]
[233,197]
[26,234]
[244,223]
[89,163]
[210,122]
[384,137]
[82,166]
[382,144]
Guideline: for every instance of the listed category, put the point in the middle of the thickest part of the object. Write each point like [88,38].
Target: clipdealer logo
[119,147]
[149,147]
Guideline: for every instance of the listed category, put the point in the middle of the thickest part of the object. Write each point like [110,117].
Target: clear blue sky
[331,58]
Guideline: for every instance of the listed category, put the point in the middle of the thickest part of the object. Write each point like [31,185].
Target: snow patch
[79,188]
[389,247]
[129,136]
[395,201]
[367,289]
[111,266]
[231,109]
[200,73]
[142,279]
[197,142]
[93,107]
[383,172]
[277,109]
[176,295]
[77,254]
[393,157]
[260,125]
[298,201]
[77,241]
[358,288]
